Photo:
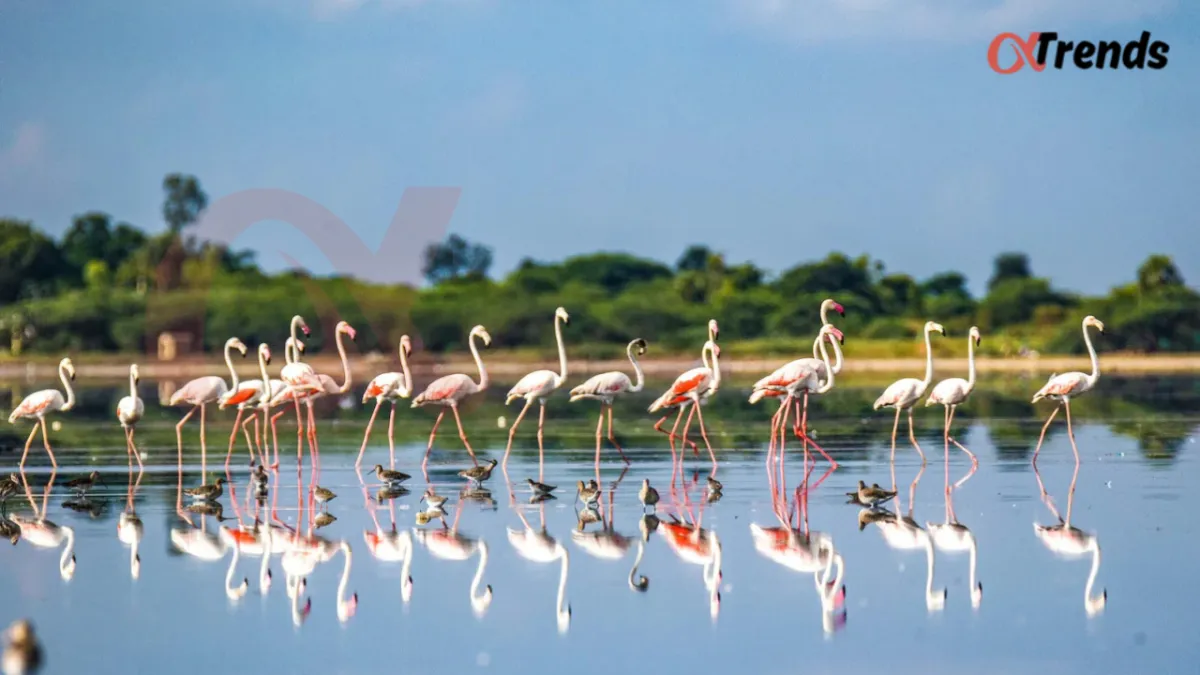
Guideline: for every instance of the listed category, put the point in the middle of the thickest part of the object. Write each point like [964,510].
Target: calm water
[770,610]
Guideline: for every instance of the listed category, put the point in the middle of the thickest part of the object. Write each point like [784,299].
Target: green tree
[1158,272]
[455,258]
[183,201]
[1009,266]
[30,262]
[694,258]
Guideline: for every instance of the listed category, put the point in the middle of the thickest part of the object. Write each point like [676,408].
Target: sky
[774,131]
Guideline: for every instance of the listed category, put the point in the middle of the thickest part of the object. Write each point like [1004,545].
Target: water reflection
[1070,542]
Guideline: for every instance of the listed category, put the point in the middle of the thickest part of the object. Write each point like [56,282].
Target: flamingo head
[1090,320]
[237,344]
[974,333]
[66,365]
[639,346]
[713,329]
[976,596]
[406,345]
[347,609]
[69,570]
[264,350]
[830,303]
[133,372]
[932,326]
[406,589]
[343,327]
[482,333]
[561,313]
[300,320]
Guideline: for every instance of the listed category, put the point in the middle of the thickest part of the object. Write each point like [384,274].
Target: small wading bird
[952,392]
[871,496]
[648,496]
[41,403]
[478,474]
[129,412]
[536,386]
[202,391]
[207,493]
[390,387]
[450,390]
[390,476]
[607,386]
[681,402]
[22,653]
[696,386]
[904,394]
[84,483]
[1062,387]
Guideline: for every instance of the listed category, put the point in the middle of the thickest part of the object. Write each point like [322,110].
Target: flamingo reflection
[902,533]
[42,533]
[539,547]
[1068,541]
[129,525]
[954,537]
[448,544]
[390,545]
[696,545]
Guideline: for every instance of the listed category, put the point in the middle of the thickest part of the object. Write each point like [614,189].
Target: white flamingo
[390,387]
[324,386]
[1062,387]
[202,391]
[129,531]
[605,387]
[248,396]
[449,390]
[536,386]
[954,391]
[1067,541]
[129,412]
[954,537]
[904,394]
[41,403]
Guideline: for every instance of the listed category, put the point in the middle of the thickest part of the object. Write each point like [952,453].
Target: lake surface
[746,592]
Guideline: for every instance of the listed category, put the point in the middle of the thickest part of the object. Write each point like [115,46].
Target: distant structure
[171,345]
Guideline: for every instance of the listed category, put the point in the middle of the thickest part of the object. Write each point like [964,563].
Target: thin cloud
[821,21]
[26,150]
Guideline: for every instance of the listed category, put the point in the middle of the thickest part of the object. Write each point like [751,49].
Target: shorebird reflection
[1067,541]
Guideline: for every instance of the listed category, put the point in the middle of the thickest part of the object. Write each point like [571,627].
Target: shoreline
[366,366]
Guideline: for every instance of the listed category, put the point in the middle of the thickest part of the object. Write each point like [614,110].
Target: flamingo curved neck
[264,571]
[483,376]
[828,369]
[564,612]
[265,399]
[971,562]
[345,580]
[341,347]
[929,562]
[229,363]
[62,375]
[634,582]
[1087,338]
[715,367]
[296,321]
[928,362]
[970,363]
[230,590]
[407,387]
[1091,580]
[639,376]
[291,353]
[713,573]
[480,602]
[134,561]
[562,352]
[406,569]
[132,386]
[65,563]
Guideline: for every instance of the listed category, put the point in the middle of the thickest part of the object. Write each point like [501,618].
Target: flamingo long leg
[392,437]
[233,437]
[953,410]
[599,427]
[912,436]
[703,434]
[895,428]
[179,431]
[367,433]
[463,435]
[541,443]
[53,463]
[432,435]
[1070,431]
[512,432]
[246,433]
[686,424]
[612,437]
[658,427]
[1042,437]
[32,433]
[671,439]
[203,444]
[134,450]
[299,431]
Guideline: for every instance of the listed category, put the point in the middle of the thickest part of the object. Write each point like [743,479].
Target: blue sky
[773,130]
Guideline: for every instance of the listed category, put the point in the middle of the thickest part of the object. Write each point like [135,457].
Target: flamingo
[204,390]
[44,534]
[38,404]
[390,387]
[694,385]
[954,537]
[1062,387]
[450,545]
[536,386]
[299,378]
[390,547]
[449,390]
[607,386]
[904,394]
[801,375]
[129,412]
[130,528]
[248,395]
[953,391]
[292,349]
[806,553]
[713,331]
[324,385]
[698,546]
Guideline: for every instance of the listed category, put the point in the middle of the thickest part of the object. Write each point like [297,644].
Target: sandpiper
[872,515]
[207,492]
[390,475]
[9,529]
[324,518]
[85,483]
[478,474]
[541,488]
[433,499]
[22,653]
[323,495]
[714,485]
[873,496]
[588,516]
[588,493]
[648,495]
[9,487]
[260,479]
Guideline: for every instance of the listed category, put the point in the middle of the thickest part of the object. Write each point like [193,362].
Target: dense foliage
[109,286]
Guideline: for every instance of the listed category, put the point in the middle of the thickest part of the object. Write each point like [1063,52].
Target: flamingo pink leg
[1043,436]
[912,436]
[950,421]
[179,431]
[463,435]
[613,438]
[512,432]
[133,449]
[274,434]
[1070,431]
[233,437]
[808,440]
[203,442]
[895,428]
[703,433]
[392,437]
[599,428]
[432,435]
[678,418]
[367,433]
[32,433]
[541,445]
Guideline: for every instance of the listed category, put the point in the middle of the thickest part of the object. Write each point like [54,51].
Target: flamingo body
[447,390]
[38,404]
[130,411]
[1064,385]
[536,385]
[603,387]
[199,391]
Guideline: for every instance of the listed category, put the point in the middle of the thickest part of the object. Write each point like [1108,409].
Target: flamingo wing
[449,387]
[541,381]
[898,392]
[200,390]
[37,403]
[949,391]
[246,391]
[604,384]
[1062,385]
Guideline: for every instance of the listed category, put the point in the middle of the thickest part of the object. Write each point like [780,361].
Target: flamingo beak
[840,310]
[350,331]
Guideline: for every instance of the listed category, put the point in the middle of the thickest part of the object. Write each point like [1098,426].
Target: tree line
[108,285]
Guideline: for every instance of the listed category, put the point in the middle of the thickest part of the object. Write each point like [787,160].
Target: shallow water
[1135,447]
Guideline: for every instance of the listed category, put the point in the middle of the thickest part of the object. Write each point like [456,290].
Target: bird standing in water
[390,476]
[22,653]
[323,495]
[84,483]
[873,496]
[207,492]
[478,474]
[647,495]
[433,499]
[540,488]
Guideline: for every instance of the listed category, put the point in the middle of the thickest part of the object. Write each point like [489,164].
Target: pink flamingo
[324,385]
[301,378]
[801,376]
[390,387]
[129,412]
[248,396]
[40,403]
[204,390]
[904,394]
[775,383]
[449,390]
[953,391]
[607,386]
[292,349]
[713,331]
[1062,387]
[536,386]
[694,385]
